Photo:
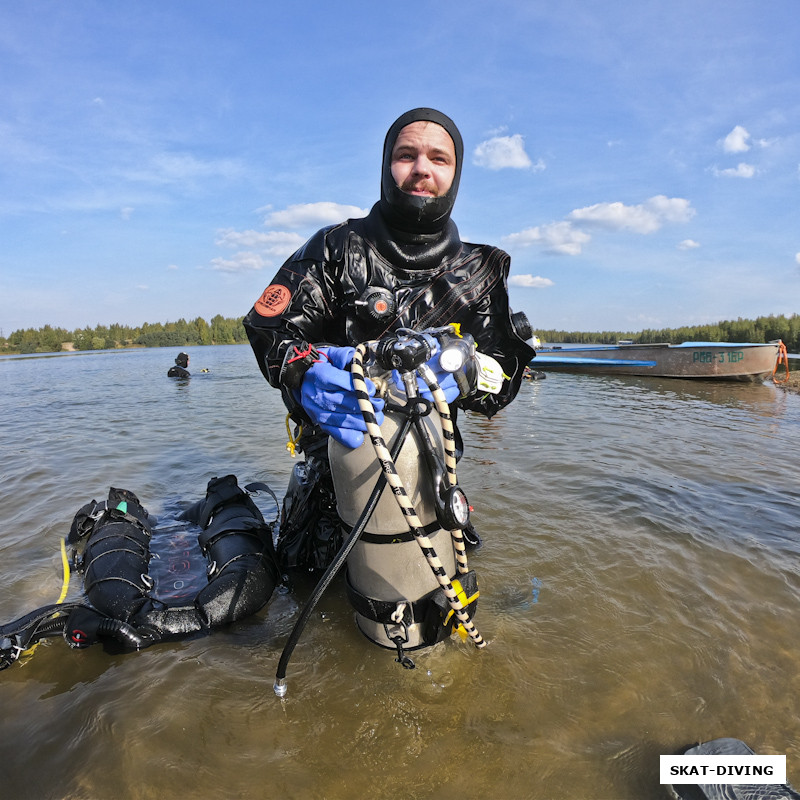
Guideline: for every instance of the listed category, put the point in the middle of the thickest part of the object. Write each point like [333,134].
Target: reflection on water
[640,583]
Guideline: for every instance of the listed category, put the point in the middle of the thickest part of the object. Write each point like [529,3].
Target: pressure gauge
[456,509]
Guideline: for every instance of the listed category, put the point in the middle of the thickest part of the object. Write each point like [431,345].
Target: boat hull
[701,360]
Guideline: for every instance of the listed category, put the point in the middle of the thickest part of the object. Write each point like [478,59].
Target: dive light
[458,357]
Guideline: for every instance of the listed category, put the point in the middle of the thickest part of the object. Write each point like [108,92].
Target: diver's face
[424,159]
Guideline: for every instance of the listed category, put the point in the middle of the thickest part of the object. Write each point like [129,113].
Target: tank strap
[382,610]
[432,611]
[393,538]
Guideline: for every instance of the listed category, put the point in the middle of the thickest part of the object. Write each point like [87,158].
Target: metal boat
[705,360]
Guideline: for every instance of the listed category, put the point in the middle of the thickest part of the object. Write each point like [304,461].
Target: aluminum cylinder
[391,570]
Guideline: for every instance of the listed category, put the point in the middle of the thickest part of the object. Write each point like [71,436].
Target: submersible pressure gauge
[455,509]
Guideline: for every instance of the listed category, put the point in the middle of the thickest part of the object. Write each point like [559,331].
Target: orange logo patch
[273,301]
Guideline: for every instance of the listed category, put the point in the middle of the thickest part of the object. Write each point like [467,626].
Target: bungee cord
[449,436]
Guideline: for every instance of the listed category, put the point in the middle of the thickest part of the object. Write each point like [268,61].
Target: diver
[179,370]
[403,266]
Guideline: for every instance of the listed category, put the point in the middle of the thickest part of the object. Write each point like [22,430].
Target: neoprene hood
[412,213]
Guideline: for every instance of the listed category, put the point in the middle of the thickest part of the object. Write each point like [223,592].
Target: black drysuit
[323,281]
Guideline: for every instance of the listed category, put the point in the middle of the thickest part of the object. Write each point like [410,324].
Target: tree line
[226,330]
[756,331]
[221,330]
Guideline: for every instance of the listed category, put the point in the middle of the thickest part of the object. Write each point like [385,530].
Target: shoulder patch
[273,301]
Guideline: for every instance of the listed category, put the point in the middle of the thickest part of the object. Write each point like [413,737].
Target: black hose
[336,564]
[125,634]
[51,627]
[30,621]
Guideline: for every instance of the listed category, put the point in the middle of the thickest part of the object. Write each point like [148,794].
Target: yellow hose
[65,572]
[64,588]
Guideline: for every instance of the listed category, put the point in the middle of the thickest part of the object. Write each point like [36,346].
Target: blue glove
[446,380]
[328,397]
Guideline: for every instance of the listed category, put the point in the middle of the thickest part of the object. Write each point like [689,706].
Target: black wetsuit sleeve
[297,307]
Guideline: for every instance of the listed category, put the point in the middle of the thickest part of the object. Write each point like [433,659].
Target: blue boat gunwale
[642,346]
[605,362]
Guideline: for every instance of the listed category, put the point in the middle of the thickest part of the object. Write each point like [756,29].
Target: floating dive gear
[111,546]
[408,579]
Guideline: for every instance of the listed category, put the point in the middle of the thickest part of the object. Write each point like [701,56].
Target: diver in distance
[179,370]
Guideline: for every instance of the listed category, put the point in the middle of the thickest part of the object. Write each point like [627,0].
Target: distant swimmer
[179,370]
[532,374]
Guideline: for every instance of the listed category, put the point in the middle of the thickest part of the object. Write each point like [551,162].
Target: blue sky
[639,159]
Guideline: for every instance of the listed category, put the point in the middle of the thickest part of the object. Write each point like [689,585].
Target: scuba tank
[411,551]
[404,598]
[387,574]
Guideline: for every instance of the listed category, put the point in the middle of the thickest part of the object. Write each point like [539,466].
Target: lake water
[640,586]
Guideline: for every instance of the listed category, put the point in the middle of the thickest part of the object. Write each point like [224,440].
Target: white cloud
[126,213]
[268,249]
[688,244]
[741,171]
[173,266]
[181,168]
[501,152]
[316,215]
[737,141]
[555,237]
[646,217]
[530,281]
[280,243]
[568,236]
[797,258]
[259,249]
[241,262]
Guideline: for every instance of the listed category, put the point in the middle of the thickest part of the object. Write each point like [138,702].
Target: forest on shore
[221,330]
[226,330]
[755,331]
